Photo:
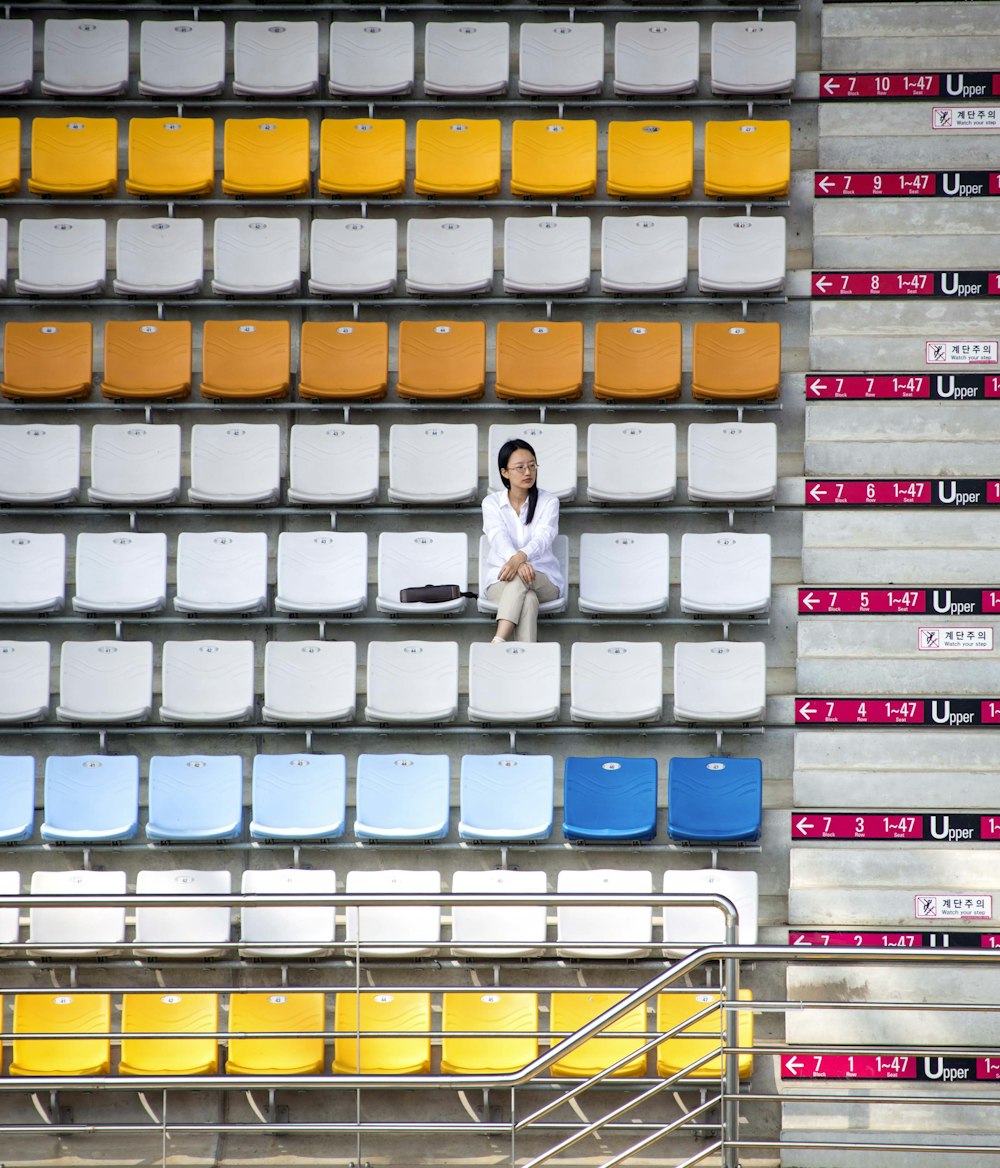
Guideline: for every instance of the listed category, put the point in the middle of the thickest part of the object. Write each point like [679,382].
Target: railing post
[731,1063]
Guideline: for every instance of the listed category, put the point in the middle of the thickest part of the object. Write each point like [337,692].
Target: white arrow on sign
[830,86]
[810,600]
[822,283]
[807,710]
[816,492]
[793,1066]
[803,825]
[817,386]
[825,184]
[801,941]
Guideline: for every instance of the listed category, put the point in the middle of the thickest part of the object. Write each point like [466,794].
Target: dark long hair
[503,457]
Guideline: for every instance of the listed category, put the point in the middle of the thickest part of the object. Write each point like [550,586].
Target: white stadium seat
[514,682]
[412,681]
[624,572]
[39,463]
[105,681]
[207,681]
[741,256]
[32,571]
[548,256]
[408,559]
[394,931]
[120,571]
[24,680]
[137,463]
[322,571]
[221,571]
[449,257]
[616,681]
[85,57]
[753,57]
[685,928]
[235,462]
[256,256]
[372,57]
[275,58]
[631,462]
[159,257]
[644,254]
[497,930]
[433,462]
[332,463]
[719,681]
[17,55]
[352,257]
[656,56]
[71,931]
[465,58]
[182,58]
[728,573]
[555,445]
[285,931]
[561,58]
[612,932]
[732,462]
[182,931]
[61,257]
[309,681]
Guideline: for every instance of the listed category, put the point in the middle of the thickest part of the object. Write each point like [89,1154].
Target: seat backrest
[297,930]
[555,445]
[135,463]
[17,821]
[32,571]
[466,57]
[296,1012]
[498,930]
[434,462]
[410,559]
[195,797]
[371,57]
[233,463]
[631,461]
[85,932]
[39,463]
[24,680]
[309,681]
[193,1017]
[322,571]
[506,796]
[561,58]
[298,796]
[17,56]
[656,56]
[182,930]
[181,58]
[394,931]
[120,571]
[85,57]
[402,796]
[275,57]
[625,571]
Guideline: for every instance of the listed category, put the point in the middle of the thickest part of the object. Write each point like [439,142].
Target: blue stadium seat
[298,796]
[609,799]
[195,797]
[90,797]
[17,798]
[506,797]
[714,800]
[402,796]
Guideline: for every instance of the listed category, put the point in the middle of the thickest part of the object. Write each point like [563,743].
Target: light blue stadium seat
[402,796]
[715,800]
[17,798]
[506,797]
[195,797]
[90,797]
[609,799]
[298,796]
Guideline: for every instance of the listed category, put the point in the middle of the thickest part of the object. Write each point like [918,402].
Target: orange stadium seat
[362,156]
[10,156]
[147,359]
[553,158]
[442,359]
[539,359]
[265,156]
[748,159]
[47,359]
[74,156]
[736,361]
[246,359]
[637,360]
[171,156]
[650,159]
[457,157]
[344,360]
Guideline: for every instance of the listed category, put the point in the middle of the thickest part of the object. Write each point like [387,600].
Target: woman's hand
[526,572]
[515,567]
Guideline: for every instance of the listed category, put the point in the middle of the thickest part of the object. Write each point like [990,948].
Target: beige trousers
[518,602]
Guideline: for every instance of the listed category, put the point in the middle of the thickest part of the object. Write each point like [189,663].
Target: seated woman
[520,523]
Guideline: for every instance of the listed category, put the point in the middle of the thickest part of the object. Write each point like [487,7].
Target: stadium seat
[10,146]
[332,463]
[195,797]
[616,681]
[235,463]
[506,797]
[568,1012]
[372,58]
[606,932]
[395,931]
[514,682]
[748,159]
[352,257]
[362,156]
[71,931]
[561,59]
[171,156]
[402,797]
[693,926]
[753,57]
[433,463]
[17,823]
[17,56]
[457,157]
[81,1024]
[61,257]
[609,799]
[656,57]
[512,1015]
[293,930]
[186,1025]
[650,160]
[91,798]
[560,547]
[147,359]
[555,444]
[441,360]
[182,931]
[719,681]
[221,571]
[39,463]
[631,462]
[401,1023]
[732,462]
[275,58]
[257,257]
[246,359]
[84,57]
[646,254]
[624,572]
[714,799]
[322,571]
[135,463]
[296,1011]
[676,1054]
[491,931]
[32,571]
[24,680]
[736,360]
[10,882]
[298,796]
[553,159]
[637,360]
[265,158]
[76,156]
[539,360]
[120,571]
[207,681]
[547,256]
[412,681]
[741,256]
[408,559]
[343,360]
[182,58]
[105,681]
[728,573]
[159,257]
[309,681]
[466,58]
[449,257]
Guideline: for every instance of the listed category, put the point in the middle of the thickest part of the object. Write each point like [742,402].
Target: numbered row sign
[906,86]
[903,184]
[907,386]
[952,713]
[922,1068]
[946,826]
[888,601]
[963,285]
[902,492]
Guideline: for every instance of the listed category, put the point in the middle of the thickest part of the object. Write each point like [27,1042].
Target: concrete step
[898,135]
[910,36]
[924,1124]
[904,233]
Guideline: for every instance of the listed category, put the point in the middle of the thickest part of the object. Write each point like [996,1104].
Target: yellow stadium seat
[748,159]
[637,360]
[513,1015]
[736,360]
[74,156]
[10,156]
[171,156]
[457,157]
[147,359]
[674,1054]
[265,156]
[362,156]
[539,359]
[276,1013]
[194,1016]
[404,1050]
[652,160]
[246,359]
[71,1016]
[568,1012]
[343,360]
[553,158]
[47,359]
[442,359]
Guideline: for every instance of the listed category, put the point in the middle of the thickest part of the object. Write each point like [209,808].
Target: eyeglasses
[523,467]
